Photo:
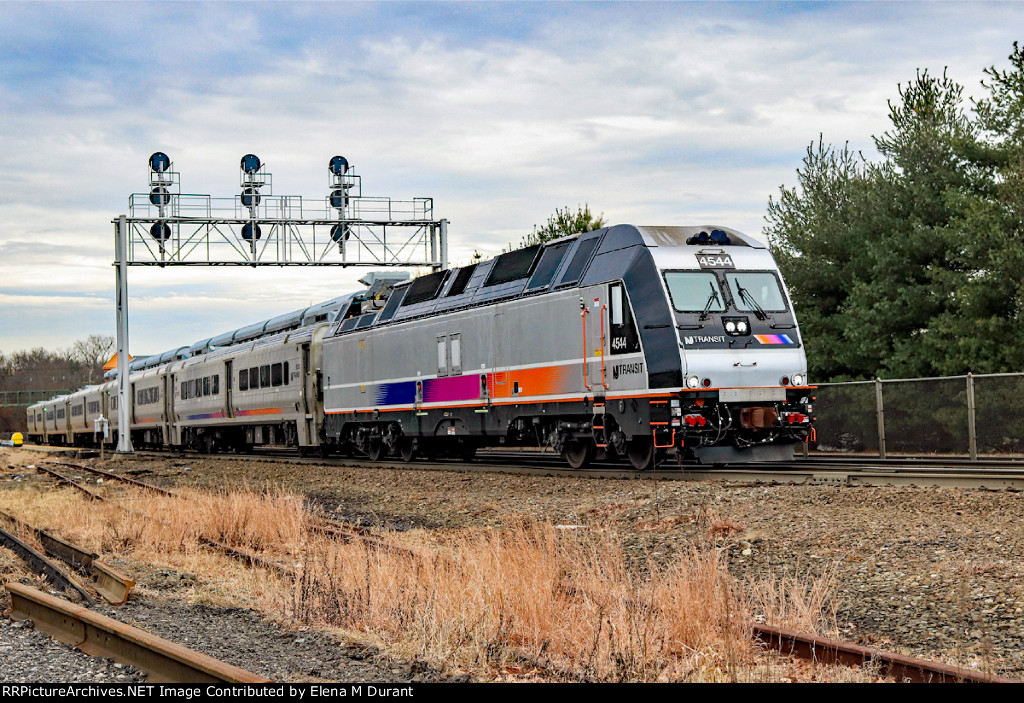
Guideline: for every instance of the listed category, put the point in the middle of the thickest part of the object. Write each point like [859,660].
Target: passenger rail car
[630,342]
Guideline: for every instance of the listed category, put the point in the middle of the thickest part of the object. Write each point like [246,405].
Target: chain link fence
[971,416]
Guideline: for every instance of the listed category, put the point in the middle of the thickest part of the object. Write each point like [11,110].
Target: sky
[652,113]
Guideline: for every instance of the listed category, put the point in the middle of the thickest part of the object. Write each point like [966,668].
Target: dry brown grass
[724,526]
[527,601]
[559,601]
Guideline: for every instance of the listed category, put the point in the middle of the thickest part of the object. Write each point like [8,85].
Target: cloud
[652,113]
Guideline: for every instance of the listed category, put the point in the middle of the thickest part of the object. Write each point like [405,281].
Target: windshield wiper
[747,298]
[711,299]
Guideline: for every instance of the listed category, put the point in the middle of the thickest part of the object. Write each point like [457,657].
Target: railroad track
[852,471]
[101,636]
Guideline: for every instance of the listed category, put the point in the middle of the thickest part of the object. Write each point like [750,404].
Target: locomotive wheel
[407,448]
[374,448]
[640,451]
[578,452]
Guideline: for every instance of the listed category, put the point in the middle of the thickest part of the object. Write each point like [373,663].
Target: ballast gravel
[936,573]
[932,572]
[29,656]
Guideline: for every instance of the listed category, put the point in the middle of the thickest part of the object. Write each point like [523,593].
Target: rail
[101,636]
[111,584]
[897,666]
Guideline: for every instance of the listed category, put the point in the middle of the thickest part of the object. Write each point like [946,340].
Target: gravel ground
[933,572]
[243,638]
[30,657]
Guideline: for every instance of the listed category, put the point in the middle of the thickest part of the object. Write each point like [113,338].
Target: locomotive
[628,342]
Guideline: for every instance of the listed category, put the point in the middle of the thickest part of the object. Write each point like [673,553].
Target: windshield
[695,291]
[756,290]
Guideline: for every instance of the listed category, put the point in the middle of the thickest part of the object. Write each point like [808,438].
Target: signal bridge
[165,227]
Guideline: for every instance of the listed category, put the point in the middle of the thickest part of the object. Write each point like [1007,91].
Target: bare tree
[92,352]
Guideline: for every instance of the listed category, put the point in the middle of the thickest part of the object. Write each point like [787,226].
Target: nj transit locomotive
[631,342]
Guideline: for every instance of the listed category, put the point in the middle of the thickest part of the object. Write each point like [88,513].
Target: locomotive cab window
[756,289]
[624,336]
[695,291]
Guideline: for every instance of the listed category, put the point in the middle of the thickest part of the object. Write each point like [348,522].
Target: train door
[308,379]
[594,330]
[170,421]
[229,376]
[499,356]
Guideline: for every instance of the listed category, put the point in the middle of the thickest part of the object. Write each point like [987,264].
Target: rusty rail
[100,636]
[113,476]
[42,566]
[111,584]
[897,666]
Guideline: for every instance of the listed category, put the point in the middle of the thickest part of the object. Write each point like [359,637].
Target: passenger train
[637,343]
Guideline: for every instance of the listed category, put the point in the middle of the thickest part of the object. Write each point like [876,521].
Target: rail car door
[499,357]
[594,328]
[308,381]
[229,405]
[171,427]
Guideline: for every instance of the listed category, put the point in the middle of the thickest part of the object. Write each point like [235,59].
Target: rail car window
[216,384]
[624,337]
[254,378]
[286,373]
[94,407]
[456,361]
[276,379]
[761,287]
[147,396]
[76,410]
[579,261]
[462,280]
[695,291]
[265,376]
[206,385]
[513,266]
[243,380]
[547,265]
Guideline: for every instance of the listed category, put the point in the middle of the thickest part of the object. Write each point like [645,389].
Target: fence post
[972,433]
[880,413]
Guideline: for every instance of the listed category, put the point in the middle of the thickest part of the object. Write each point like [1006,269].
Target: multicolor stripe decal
[774,338]
[206,416]
[260,411]
[549,380]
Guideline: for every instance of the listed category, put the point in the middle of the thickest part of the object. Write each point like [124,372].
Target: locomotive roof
[562,263]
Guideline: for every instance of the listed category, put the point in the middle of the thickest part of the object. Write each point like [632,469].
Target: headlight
[742,327]
[730,326]
[798,379]
[692,382]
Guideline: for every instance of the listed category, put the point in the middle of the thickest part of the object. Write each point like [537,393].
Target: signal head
[338,165]
[251,163]
[159,161]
